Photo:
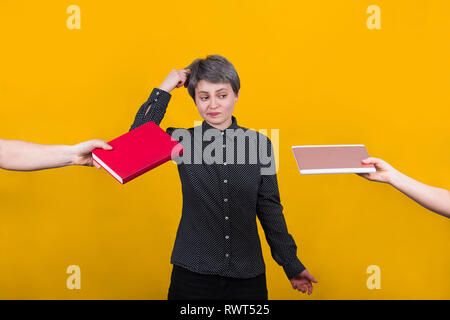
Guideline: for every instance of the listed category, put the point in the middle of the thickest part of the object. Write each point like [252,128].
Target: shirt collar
[206,125]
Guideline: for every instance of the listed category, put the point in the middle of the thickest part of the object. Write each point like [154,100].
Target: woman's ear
[237,96]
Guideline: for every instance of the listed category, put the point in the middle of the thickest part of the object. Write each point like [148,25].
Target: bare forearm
[28,156]
[432,198]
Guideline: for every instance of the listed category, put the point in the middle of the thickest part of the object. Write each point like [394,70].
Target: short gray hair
[214,69]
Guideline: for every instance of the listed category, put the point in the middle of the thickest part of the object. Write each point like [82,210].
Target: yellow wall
[311,69]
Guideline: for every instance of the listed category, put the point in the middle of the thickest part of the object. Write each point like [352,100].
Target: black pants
[188,285]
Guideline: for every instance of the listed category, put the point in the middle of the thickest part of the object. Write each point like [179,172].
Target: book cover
[137,152]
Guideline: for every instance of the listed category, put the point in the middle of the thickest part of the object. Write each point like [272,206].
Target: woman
[217,251]
[432,198]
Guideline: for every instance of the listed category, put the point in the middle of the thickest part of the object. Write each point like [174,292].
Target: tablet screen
[319,159]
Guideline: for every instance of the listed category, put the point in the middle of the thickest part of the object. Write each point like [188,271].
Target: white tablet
[320,159]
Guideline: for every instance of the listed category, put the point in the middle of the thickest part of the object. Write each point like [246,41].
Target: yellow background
[311,69]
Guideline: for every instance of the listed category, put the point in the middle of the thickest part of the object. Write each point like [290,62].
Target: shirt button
[227,255]
[223,133]
[224,145]
[227,237]
[157,93]
[226,218]
[224,163]
[156,100]
[225,181]
[225,200]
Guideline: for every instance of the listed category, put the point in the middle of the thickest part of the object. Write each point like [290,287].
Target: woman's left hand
[303,282]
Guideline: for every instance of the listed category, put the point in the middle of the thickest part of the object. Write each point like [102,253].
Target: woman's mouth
[213,114]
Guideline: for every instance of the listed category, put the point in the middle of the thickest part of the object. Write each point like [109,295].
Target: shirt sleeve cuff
[159,97]
[293,268]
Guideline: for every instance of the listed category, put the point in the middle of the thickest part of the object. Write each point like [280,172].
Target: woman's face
[215,103]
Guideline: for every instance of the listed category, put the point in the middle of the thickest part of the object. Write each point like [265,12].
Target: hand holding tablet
[321,159]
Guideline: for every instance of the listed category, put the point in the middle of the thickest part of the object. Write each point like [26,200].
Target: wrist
[165,88]
[395,178]
[72,157]
[294,268]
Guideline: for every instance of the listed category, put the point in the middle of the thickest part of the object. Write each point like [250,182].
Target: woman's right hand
[175,79]
[385,172]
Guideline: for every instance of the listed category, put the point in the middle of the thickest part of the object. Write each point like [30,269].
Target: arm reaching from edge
[432,198]
[28,156]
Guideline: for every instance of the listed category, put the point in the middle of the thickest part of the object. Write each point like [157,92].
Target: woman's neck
[222,126]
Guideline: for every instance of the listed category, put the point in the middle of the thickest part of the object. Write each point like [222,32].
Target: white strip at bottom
[338,170]
[100,162]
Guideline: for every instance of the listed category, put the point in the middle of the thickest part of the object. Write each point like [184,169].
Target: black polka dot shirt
[218,231]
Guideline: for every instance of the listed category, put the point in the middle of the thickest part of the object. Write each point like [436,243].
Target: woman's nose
[213,103]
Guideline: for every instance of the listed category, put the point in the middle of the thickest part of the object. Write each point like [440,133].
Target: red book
[137,152]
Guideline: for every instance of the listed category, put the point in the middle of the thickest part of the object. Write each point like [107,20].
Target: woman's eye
[203,98]
[223,95]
